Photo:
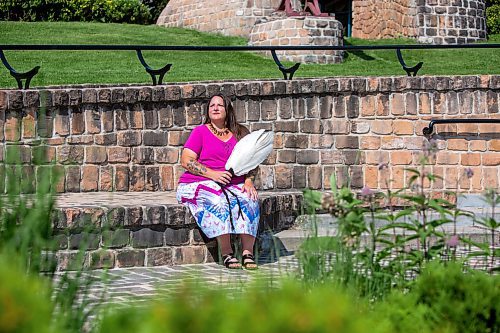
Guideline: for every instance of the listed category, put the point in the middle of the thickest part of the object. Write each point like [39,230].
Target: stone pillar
[375,19]
[429,21]
[278,30]
[231,18]
[451,21]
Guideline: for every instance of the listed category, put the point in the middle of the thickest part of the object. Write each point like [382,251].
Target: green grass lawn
[110,67]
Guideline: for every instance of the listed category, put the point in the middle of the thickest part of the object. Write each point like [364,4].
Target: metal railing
[160,73]
[427,131]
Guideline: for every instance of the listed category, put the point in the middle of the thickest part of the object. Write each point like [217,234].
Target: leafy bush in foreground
[25,305]
[30,302]
[291,308]
[445,299]
[377,259]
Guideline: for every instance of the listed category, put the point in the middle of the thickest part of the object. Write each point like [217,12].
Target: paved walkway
[137,285]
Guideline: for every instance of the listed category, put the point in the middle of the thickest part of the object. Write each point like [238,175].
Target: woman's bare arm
[189,161]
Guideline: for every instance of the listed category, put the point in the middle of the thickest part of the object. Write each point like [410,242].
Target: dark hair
[231,123]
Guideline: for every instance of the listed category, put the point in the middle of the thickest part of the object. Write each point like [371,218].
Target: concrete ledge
[126,229]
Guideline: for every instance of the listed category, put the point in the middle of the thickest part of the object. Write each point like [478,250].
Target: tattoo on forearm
[196,167]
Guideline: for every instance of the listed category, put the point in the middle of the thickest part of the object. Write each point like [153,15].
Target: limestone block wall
[130,138]
[227,17]
[429,21]
[374,19]
[294,31]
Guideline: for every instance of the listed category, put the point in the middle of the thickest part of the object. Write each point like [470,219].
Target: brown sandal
[248,261]
[230,261]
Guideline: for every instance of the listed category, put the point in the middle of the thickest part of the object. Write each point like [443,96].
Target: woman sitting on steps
[222,204]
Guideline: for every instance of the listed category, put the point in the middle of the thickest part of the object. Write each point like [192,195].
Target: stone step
[324,225]
[125,229]
[472,201]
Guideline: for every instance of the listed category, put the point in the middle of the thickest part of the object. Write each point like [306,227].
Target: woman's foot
[248,261]
[230,261]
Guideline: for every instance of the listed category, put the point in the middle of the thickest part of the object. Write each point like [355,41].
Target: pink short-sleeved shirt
[212,152]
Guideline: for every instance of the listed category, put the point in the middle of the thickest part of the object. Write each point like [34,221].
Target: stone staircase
[131,229]
[126,229]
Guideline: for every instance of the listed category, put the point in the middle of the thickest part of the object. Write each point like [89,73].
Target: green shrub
[25,305]
[130,11]
[26,240]
[445,299]
[110,11]
[25,221]
[289,309]
[493,19]
[155,8]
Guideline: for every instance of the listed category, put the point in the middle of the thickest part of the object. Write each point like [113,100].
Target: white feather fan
[250,151]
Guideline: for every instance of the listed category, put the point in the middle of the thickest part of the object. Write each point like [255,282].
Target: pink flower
[383,166]
[366,191]
[453,241]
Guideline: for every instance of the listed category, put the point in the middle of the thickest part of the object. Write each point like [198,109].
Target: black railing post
[153,72]
[410,71]
[19,76]
[285,71]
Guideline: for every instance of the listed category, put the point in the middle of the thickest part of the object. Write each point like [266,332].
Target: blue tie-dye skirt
[208,204]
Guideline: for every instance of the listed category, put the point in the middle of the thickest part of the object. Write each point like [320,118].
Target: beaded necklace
[218,132]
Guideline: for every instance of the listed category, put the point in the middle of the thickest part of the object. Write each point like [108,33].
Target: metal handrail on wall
[160,73]
[427,131]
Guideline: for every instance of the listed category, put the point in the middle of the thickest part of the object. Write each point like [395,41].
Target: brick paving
[137,285]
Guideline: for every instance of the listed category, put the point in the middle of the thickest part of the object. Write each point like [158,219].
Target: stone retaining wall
[130,138]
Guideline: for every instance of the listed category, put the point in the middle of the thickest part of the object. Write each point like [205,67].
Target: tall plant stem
[492,257]
[373,236]
[424,208]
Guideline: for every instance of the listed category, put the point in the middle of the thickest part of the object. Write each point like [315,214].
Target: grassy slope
[71,67]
